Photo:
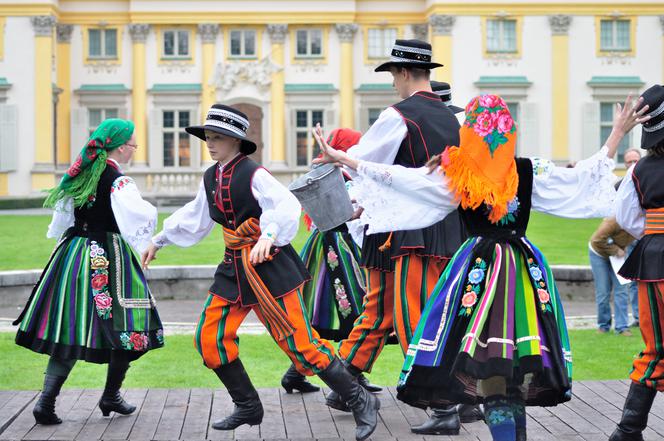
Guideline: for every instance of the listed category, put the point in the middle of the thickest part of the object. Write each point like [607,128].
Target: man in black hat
[444,91]
[640,211]
[261,272]
[403,266]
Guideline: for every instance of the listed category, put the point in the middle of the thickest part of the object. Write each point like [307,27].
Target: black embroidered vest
[98,216]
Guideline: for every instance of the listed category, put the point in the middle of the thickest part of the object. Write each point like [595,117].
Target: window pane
[301,42]
[169,119]
[301,118]
[317,117]
[94,117]
[169,43]
[169,158]
[111,113]
[373,115]
[606,34]
[606,113]
[509,35]
[514,110]
[236,43]
[183,149]
[375,44]
[389,37]
[183,119]
[316,37]
[111,43]
[623,37]
[301,148]
[94,43]
[249,43]
[183,43]
[492,36]
[622,147]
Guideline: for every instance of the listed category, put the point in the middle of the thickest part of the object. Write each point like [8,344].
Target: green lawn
[178,364]
[23,243]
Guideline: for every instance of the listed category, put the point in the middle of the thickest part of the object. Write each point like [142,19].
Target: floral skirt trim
[91,298]
[494,312]
[334,294]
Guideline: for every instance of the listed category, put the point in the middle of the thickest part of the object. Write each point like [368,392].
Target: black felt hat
[409,53]
[653,129]
[444,91]
[227,121]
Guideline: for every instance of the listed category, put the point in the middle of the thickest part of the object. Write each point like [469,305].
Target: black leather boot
[333,399]
[443,421]
[469,413]
[248,407]
[111,400]
[292,379]
[44,410]
[635,413]
[363,404]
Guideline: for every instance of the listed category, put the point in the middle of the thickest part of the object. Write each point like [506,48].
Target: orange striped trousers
[217,341]
[394,301]
[648,368]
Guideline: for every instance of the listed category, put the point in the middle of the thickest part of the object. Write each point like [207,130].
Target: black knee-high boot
[635,413]
[333,399]
[111,400]
[44,410]
[443,421]
[248,407]
[292,379]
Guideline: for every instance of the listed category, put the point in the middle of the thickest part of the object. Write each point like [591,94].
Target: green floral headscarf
[80,180]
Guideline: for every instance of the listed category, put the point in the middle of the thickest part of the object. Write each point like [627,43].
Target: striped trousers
[648,368]
[217,341]
[393,302]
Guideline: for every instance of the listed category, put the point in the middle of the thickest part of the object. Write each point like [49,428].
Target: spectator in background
[609,240]
[631,157]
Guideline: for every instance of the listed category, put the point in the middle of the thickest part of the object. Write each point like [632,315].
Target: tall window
[243,43]
[380,42]
[306,148]
[102,43]
[501,36]
[514,109]
[374,113]
[615,35]
[96,116]
[605,126]
[177,148]
[176,44]
[309,43]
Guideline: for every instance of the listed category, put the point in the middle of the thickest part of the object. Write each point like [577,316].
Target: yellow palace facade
[65,65]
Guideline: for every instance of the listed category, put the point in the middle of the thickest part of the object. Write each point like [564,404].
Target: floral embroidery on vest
[475,278]
[99,281]
[512,212]
[342,298]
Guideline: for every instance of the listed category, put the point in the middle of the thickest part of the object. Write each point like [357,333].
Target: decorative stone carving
[560,24]
[258,73]
[277,32]
[43,25]
[139,32]
[346,31]
[661,22]
[442,24]
[63,31]
[208,32]
[420,31]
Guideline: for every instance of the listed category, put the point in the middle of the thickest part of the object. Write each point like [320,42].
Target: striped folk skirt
[333,296]
[91,298]
[495,312]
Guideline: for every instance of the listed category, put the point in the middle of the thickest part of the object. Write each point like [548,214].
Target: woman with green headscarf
[92,301]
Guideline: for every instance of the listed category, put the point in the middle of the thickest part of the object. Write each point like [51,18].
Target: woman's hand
[149,255]
[330,155]
[625,119]
[261,251]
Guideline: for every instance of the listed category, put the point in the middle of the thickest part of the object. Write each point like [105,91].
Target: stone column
[208,33]
[63,57]
[441,42]
[560,85]
[346,33]
[139,33]
[42,174]
[277,33]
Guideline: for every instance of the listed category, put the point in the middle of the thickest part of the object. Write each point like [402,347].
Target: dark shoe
[469,413]
[334,401]
[442,421]
[634,324]
[111,400]
[248,407]
[635,413]
[368,386]
[363,404]
[292,379]
[44,410]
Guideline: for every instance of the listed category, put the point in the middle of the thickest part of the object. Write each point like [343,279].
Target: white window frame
[102,44]
[614,35]
[103,115]
[307,131]
[177,132]
[176,44]
[309,42]
[502,36]
[384,45]
[317,100]
[243,34]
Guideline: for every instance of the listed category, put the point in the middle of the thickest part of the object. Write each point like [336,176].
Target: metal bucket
[323,195]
